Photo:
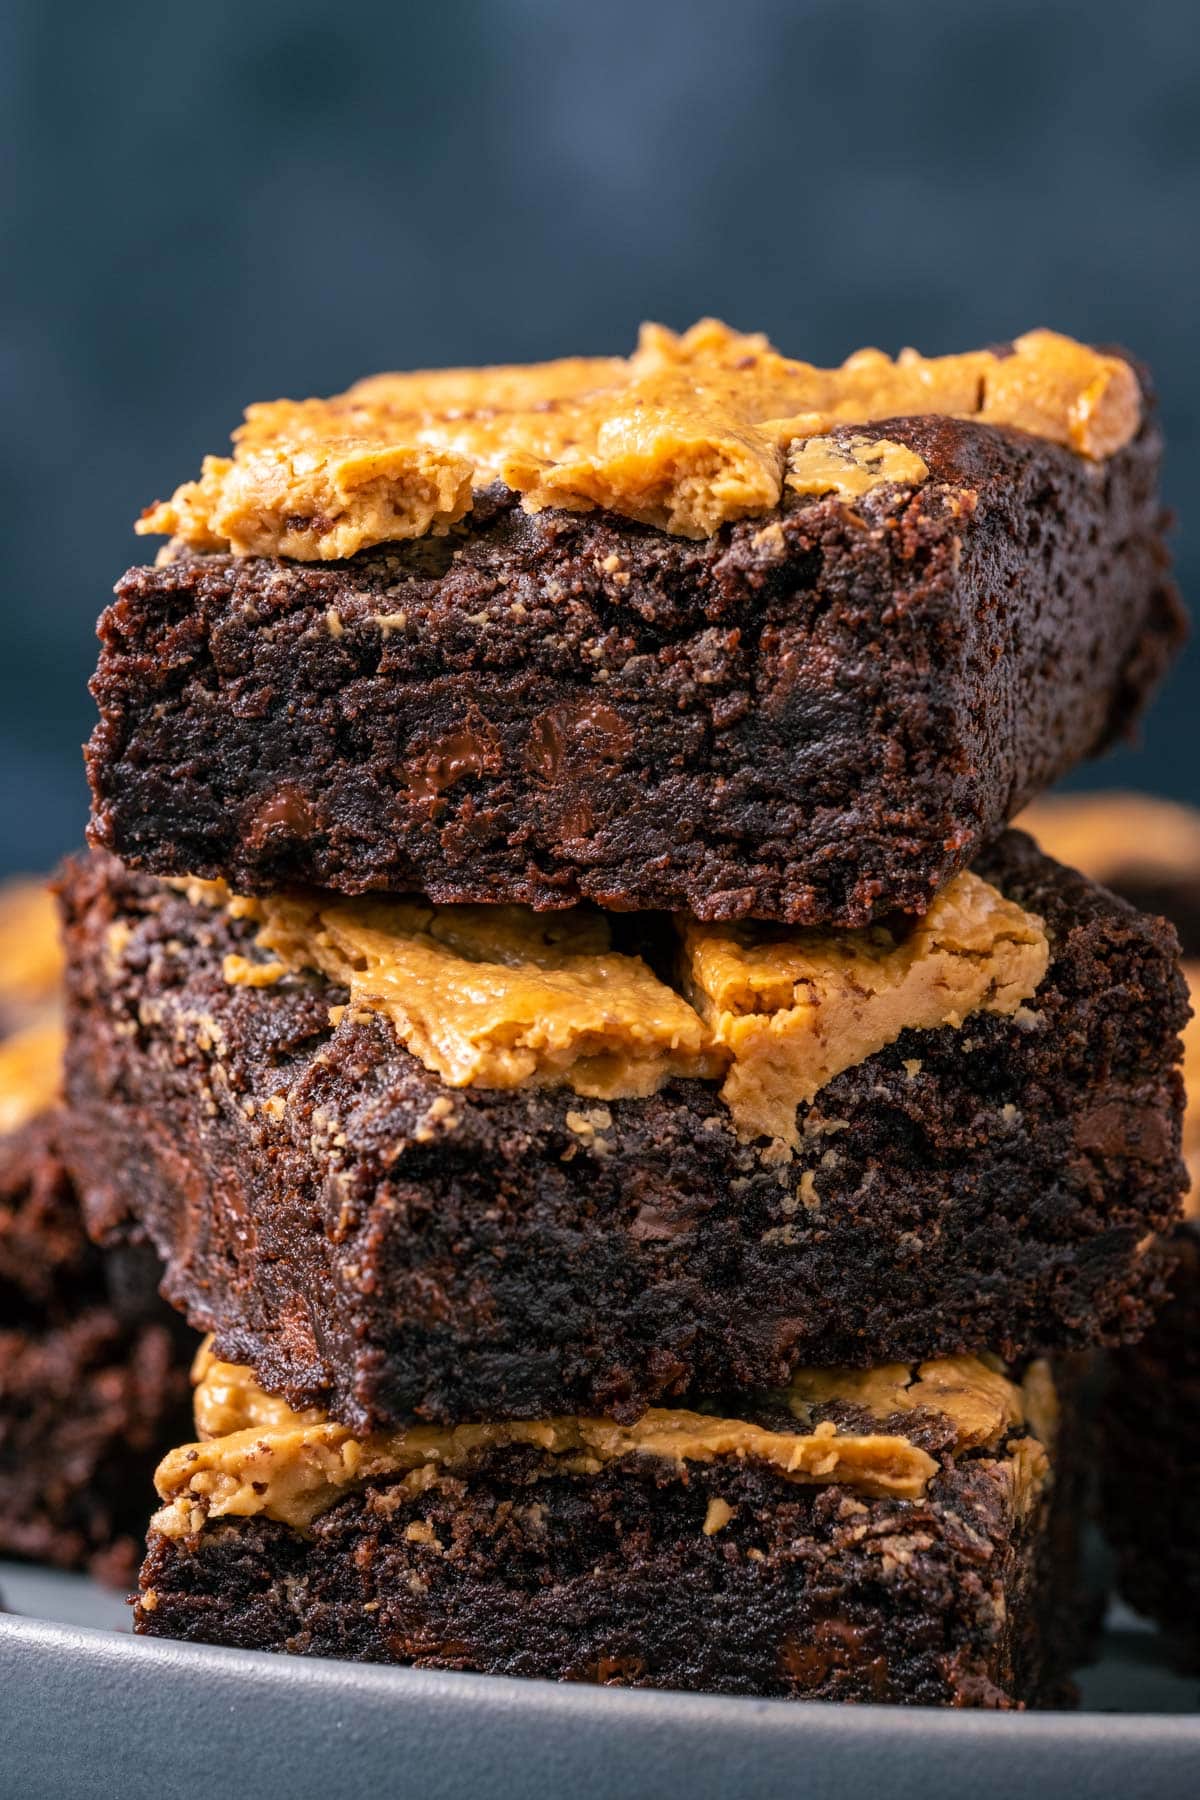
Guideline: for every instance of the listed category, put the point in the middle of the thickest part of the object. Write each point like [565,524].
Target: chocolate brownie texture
[469,1253]
[93,1373]
[816,716]
[723,1577]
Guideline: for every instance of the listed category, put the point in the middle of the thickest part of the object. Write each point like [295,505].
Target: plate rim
[178,1659]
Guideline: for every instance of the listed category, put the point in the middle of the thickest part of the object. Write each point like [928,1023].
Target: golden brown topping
[794,1009]
[497,996]
[30,973]
[687,433]
[318,503]
[293,1466]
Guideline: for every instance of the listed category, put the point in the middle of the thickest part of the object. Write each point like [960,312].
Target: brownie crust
[619,1578]
[816,716]
[371,1241]
[93,1373]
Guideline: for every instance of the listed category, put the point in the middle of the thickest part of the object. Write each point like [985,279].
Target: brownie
[93,1365]
[370,1239]
[1150,1461]
[718,1568]
[816,715]
[93,1373]
[1149,850]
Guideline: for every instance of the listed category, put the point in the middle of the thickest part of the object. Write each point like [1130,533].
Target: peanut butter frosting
[257,1457]
[30,1008]
[973,1391]
[30,1071]
[687,433]
[500,996]
[795,1009]
[822,465]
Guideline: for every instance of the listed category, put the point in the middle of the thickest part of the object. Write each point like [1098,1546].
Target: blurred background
[242,200]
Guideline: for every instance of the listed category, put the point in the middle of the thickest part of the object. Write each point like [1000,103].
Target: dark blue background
[231,201]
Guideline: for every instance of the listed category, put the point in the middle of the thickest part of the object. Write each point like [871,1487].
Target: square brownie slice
[773,642]
[404,1169]
[903,1535]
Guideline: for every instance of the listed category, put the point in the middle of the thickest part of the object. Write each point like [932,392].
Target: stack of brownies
[554,985]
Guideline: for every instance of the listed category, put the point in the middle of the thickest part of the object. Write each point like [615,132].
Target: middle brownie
[922,1147]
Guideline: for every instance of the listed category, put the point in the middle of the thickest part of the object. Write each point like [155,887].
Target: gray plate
[86,1709]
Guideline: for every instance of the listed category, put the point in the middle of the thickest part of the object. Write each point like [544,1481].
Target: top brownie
[704,629]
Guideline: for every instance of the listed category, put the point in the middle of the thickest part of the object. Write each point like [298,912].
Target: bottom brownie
[895,1535]
[93,1365]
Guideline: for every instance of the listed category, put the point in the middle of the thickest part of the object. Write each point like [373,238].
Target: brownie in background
[93,1365]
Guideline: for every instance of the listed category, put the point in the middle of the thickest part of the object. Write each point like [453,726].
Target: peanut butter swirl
[687,433]
[795,1008]
[497,996]
[502,996]
[30,1071]
[30,952]
[258,1457]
